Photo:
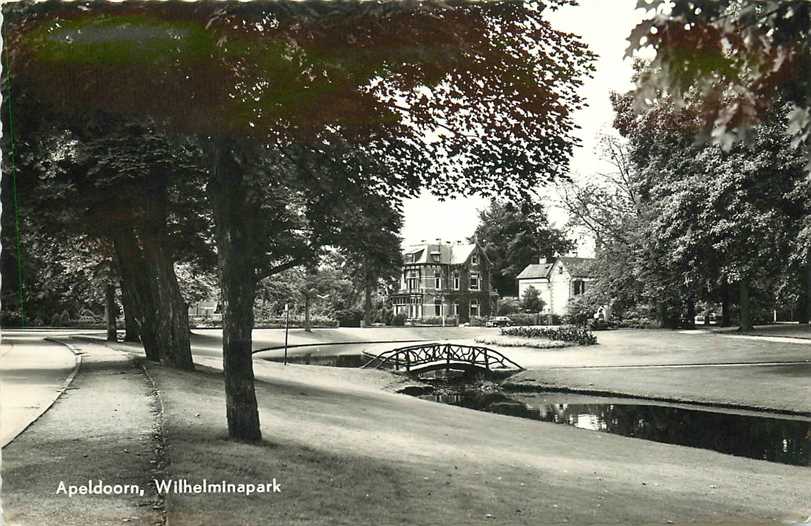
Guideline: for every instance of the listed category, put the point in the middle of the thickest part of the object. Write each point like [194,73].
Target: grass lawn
[346,452]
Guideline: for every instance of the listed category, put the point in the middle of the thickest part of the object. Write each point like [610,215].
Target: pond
[771,438]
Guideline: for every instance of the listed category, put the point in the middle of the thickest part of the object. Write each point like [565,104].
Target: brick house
[445,280]
[557,281]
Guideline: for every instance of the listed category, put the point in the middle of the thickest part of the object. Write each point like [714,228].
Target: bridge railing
[415,356]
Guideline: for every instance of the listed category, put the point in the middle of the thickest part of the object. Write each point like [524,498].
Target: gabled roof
[461,252]
[578,267]
[535,271]
[449,253]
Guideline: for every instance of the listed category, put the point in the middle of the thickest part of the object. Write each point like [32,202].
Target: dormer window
[474,260]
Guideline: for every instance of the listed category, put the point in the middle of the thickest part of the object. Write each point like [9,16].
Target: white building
[557,281]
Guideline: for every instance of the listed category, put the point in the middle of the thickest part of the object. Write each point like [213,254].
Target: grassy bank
[347,453]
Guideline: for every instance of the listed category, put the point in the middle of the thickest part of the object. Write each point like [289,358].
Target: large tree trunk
[808,285]
[135,282]
[691,312]
[110,312]
[804,292]
[726,318]
[131,332]
[744,305]
[307,326]
[234,216]
[173,315]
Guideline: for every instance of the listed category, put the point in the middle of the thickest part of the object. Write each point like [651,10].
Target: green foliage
[506,306]
[398,320]
[581,310]
[326,74]
[745,58]
[578,335]
[477,321]
[349,317]
[514,236]
[531,300]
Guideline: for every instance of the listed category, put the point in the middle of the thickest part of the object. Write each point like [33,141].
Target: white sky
[604,25]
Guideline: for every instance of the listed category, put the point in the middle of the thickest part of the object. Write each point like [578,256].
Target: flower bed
[512,341]
[578,335]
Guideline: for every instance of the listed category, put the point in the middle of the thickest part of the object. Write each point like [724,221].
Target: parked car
[498,321]
[714,319]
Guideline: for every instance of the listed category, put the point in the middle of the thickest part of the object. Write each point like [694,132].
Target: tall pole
[286,327]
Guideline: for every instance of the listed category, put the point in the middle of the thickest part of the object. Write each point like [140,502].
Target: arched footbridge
[417,359]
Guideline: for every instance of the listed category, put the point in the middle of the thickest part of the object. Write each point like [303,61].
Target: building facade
[447,280]
[557,281]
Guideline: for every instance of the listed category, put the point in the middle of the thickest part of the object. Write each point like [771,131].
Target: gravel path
[101,428]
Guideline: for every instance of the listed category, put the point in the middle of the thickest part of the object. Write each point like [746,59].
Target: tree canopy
[513,237]
[300,112]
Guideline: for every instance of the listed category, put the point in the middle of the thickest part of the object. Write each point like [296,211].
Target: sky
[604,25]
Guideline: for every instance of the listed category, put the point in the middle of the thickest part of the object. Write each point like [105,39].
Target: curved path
[33,373]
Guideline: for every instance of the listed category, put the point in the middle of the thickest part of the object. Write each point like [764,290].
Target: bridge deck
[420,358]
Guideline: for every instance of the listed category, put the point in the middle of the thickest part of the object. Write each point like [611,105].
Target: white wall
[560,283]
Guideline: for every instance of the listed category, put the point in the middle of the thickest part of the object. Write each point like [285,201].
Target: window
[455,311]
[474,281]
[413,280]
[474,260]
[456,280]
[437,307]
[579,287]
[437,280]
[474,307]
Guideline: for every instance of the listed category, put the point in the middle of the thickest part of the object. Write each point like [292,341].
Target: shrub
[349,317]
[436,321]
[507,306]
[531,300]
[384,315]
[11,319]
[398,320]
[477,321]
[554,319]
[578,335]
[580,311]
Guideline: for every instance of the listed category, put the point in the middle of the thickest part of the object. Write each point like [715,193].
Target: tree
[531,300]
[609,207]
[106,179]
[746,59]
[462,99]
[513,237]
[371,245]
[711,218]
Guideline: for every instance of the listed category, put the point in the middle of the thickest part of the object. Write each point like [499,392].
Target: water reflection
[773,439]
